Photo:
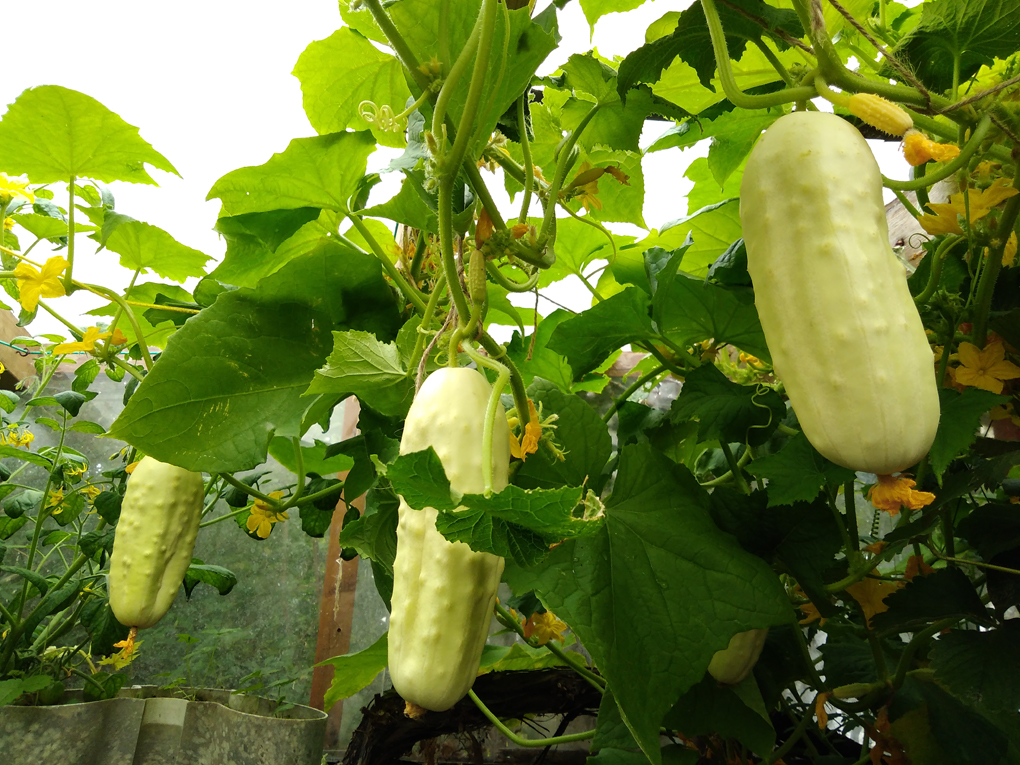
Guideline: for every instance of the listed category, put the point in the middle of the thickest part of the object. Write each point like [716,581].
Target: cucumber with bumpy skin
[734,662]
[444,592]
[845,337]
[155,538]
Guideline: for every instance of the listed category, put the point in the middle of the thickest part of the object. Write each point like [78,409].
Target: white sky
[209,85]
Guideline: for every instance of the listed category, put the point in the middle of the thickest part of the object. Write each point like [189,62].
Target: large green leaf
[372,370]
[959,422]
[970,33]
[797,472]
[235,375]
[657,592]
[692,310]
[143,246]
[260,243]
[728,411]
[321,172]
[354,671]
[590,337]
[341,72]
[156,334]
[526,41]
[52,134]
[736,712]
[981,666]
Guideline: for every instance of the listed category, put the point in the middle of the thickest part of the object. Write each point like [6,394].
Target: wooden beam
[336,608]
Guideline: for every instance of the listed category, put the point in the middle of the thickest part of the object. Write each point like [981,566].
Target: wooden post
[336,609]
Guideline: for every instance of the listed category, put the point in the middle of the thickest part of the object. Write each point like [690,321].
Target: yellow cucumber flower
[985,369]
[10,188]
[263,516]
[87,343]
[35,284]
[893,492]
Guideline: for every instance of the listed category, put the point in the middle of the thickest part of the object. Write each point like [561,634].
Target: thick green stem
[529,165]
[729,83]
[411,294]
[935,275]
[986,288]
[397,42]
[453,78]
[562,165]
[738,476]
[498,352]
[793,738]
[447,250]
[509,284]
[907,657]
[426,322]
[948,169]
[420,248]
[506,618]
[502,376]
[139,335]
[68,277]
[533,742]
[487,19]
[623,397]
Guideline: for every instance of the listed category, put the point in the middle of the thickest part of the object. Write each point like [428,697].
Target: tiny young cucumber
[845,337]
[444,592]
[155,537]
[734,662]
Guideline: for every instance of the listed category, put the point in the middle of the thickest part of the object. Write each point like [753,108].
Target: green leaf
[691,42]
[71,401]
[11,690]
[991,528]
[980,667]
[590,337]
[23,502]
[959,422]
[660,561]
[142,246]
[577,245]
[258,244]
[611,732]
[216,576]
[516,658]
[204,408]
[951,31]
[321,172]
[36,579]
[52,134]
[580,432]
[928,719]
[710,228]
[527,42]
[339,73]
[355,671]
[408,207]
[596,9]
[156,335]
[538,360]
[947,592]
[362,475]
[735,712]
[107,505]
[797,472]
[371,370]
[804,538]
[96,544]
[374,534]
[420,479]
[87,426]
[313,457]
[10,526]
[47,227]
[728,411]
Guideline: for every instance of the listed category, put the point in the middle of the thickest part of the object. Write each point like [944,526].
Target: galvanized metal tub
[148,726]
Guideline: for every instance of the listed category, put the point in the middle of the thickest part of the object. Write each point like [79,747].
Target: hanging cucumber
[444,592]
[845,337]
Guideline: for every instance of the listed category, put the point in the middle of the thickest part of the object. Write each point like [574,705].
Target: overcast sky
[209,86]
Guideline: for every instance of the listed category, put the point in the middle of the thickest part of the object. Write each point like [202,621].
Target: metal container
[148,726]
